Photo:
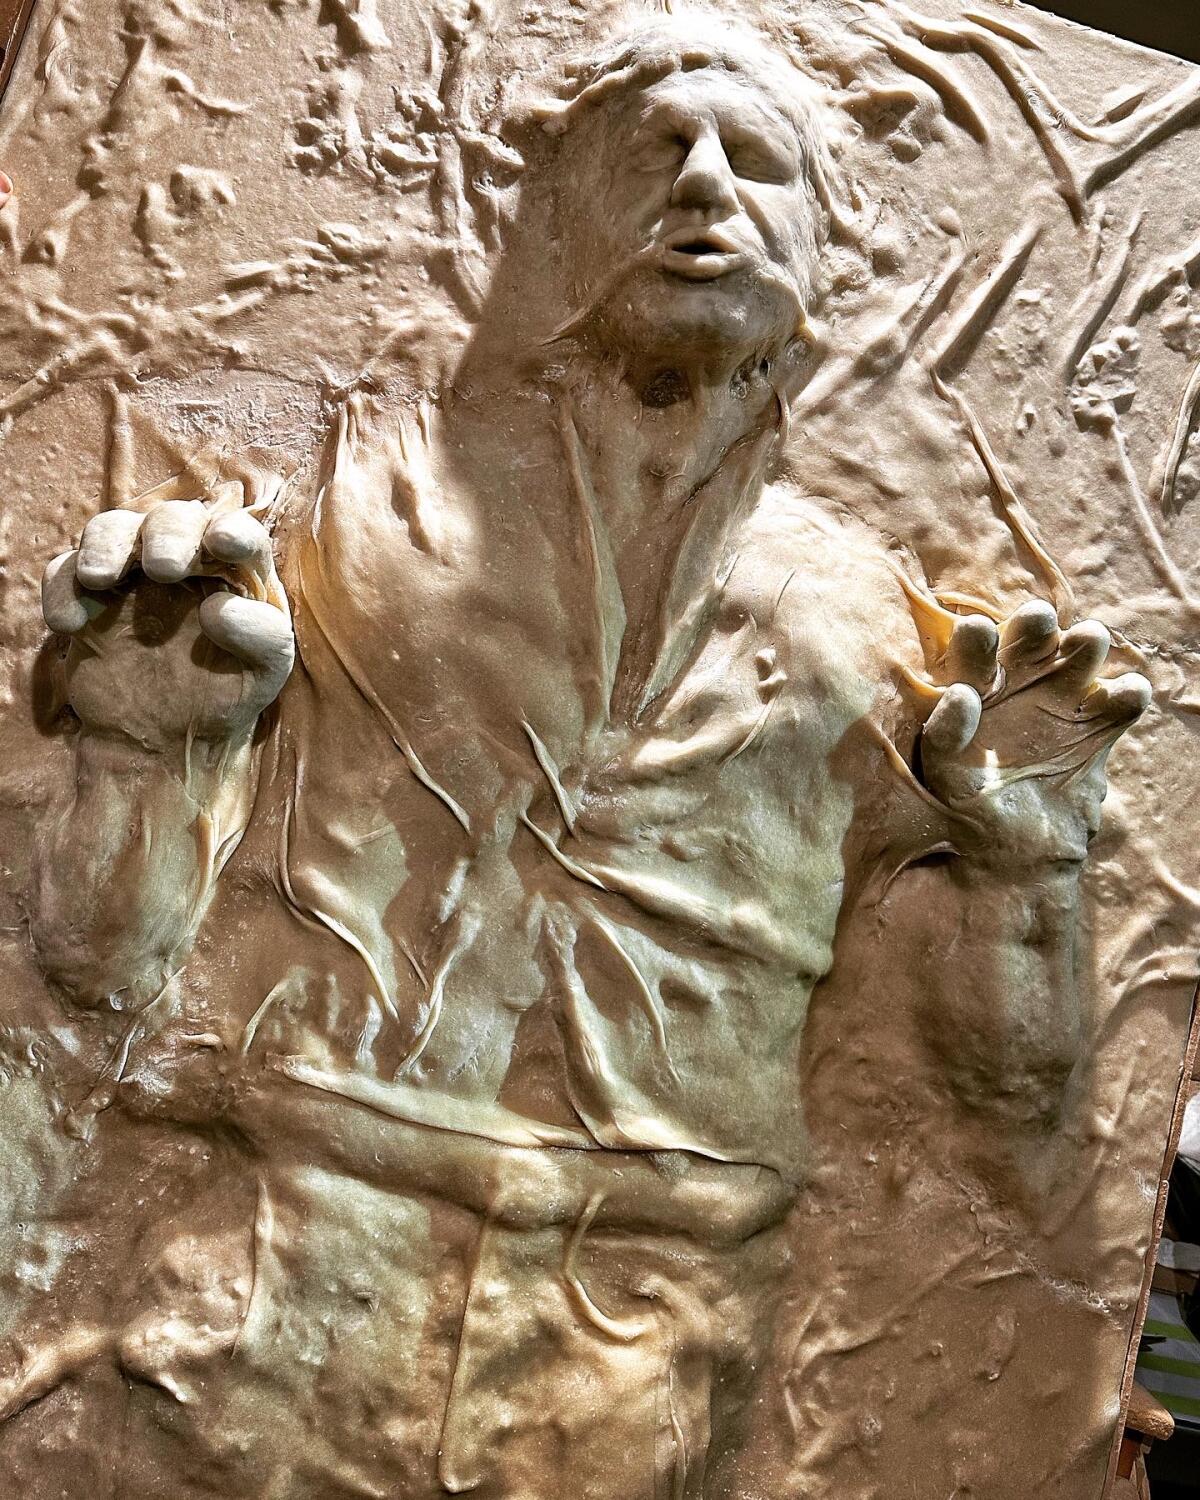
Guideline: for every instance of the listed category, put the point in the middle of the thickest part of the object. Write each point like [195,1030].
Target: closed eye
[754,163]
[662,155]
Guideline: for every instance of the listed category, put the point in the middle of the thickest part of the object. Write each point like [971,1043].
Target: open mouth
[701,255]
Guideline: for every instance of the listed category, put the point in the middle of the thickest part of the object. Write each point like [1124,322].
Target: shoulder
[814,566]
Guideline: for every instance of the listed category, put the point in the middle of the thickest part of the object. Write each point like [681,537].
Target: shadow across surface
[1168,25]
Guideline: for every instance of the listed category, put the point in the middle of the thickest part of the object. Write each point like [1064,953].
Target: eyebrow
[769,114]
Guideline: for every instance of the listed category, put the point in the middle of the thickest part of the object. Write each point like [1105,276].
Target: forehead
[710,91]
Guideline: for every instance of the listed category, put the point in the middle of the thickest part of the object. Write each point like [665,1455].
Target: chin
[665,317]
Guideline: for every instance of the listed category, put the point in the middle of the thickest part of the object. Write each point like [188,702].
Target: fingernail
[6,188]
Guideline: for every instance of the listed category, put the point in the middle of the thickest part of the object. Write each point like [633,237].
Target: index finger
[65,607]
[951,727]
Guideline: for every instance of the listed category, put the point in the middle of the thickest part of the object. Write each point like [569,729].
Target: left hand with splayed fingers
[1016,746]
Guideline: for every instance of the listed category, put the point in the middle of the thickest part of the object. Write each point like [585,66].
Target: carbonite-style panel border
[14,18]
[413,1023]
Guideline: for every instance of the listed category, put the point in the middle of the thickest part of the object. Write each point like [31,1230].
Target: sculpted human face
[687,220]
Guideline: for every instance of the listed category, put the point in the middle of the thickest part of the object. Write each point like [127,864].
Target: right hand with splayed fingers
[179,627]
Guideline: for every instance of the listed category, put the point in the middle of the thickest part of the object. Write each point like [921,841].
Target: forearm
[129,861]
[994,976]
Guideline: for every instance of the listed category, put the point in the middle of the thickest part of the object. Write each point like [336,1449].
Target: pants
[599,1367]
[399,1348]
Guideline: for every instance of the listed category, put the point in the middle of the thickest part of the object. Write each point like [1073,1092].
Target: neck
[672,459]
[654,437]
[660,461]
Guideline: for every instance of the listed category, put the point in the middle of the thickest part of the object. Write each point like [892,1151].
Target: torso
[638,981]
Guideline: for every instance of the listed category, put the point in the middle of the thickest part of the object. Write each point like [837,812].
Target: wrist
[1032,905]
[1001,855]
[1022,827]
[196,763]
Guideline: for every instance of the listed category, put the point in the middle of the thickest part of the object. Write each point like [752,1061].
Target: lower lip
[702,267]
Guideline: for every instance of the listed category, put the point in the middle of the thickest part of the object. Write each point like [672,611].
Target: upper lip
[702,251]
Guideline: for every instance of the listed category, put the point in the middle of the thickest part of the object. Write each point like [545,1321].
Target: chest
[498,649]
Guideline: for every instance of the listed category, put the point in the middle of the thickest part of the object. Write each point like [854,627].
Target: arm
[1013,758]
[129,861]
[991,965]
[167,673]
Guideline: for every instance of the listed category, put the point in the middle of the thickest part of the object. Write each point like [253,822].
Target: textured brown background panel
[303,258]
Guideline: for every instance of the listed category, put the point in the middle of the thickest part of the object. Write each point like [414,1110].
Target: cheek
[616,226]
[781,215]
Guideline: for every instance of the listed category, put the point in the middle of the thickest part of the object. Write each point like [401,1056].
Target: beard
[651,314]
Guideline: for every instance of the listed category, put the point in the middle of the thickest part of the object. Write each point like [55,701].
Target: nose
[706,181]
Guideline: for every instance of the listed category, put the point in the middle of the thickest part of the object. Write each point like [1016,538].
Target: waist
[532,1186]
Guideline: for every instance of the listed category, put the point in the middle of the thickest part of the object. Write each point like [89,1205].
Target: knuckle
[238,537]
